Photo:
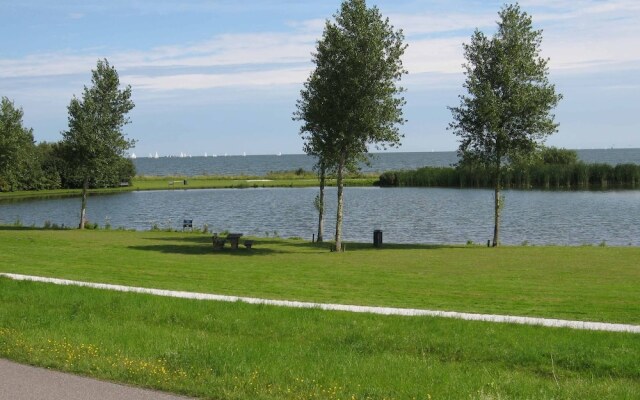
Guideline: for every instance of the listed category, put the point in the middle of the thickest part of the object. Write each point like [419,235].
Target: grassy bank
[274,179]
[581,283]
[239,351]
[285,179]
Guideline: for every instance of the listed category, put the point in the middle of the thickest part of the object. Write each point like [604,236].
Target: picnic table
[233,238]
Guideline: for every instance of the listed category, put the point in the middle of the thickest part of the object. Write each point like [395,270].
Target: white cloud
[434,55]
[222,51]
[419,24]
[277,77]
[578,35]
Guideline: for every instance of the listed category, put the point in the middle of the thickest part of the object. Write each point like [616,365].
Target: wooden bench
[248,244]
[218,242]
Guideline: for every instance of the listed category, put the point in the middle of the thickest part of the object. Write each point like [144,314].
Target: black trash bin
[377,238]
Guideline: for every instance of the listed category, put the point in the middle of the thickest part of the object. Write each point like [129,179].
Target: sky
[223,76]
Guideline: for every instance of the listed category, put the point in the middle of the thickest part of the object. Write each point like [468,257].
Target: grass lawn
[581,283]
[240,351]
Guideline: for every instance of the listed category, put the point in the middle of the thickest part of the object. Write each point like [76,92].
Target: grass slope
[239,351]
[580,283]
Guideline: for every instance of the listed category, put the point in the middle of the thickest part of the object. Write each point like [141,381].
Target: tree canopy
[16,147]
[95,143]
[507,111]
[351,100]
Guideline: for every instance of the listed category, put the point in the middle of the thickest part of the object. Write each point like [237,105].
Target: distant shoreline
[372,153]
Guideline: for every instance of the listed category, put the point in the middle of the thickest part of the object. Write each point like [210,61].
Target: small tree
[17,147]
[351,99]
[95,143]
[506,113]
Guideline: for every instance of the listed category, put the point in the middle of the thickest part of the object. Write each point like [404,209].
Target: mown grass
[578,283]
[282,179]
[239,351]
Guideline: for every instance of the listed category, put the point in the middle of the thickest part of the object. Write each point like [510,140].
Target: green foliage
[507,109]
[557,156]
[506,113]
[95,145]
[351,100]
[91,225]
[541,176]
[50,166]
[17,149]
[318,202]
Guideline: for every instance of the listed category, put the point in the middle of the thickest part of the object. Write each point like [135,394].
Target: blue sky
[223,76]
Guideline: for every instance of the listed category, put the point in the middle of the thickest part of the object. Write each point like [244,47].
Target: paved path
[557,323]
[22,382]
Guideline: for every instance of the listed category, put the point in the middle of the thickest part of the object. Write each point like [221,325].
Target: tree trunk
[340,183]
[498,206]
[83,208]
[321,206]
[496,226]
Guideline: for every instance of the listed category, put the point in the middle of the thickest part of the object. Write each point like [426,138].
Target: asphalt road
[22,382]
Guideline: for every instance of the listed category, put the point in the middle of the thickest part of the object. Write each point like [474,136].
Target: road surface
[23,382]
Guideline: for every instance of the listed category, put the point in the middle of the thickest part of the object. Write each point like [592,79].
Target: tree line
[91,153]
[27,165]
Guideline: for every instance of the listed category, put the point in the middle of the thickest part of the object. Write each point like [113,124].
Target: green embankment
[281,179]
[239,351]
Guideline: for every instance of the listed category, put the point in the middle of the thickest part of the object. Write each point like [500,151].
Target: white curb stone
[556,323]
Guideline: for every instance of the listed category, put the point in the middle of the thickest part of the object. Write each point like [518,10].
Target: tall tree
[16,147]
[351,100]
[507,111]
[95,141]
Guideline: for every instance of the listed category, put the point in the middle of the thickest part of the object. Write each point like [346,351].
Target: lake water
[380,162]
[406,215]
